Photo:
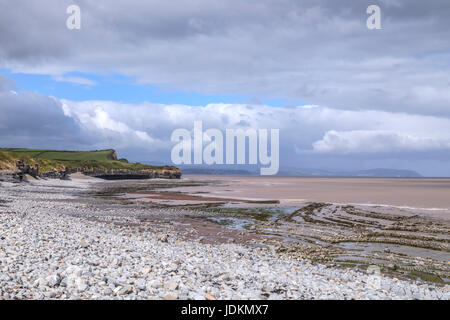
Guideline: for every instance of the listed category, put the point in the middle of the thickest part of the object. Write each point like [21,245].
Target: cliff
[16,163]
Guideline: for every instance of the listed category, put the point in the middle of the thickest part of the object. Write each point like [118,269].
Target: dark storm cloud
[34,120]
[315,51]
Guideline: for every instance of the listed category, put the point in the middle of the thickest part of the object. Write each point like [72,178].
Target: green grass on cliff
[98,155]
[57,159]
[8,160]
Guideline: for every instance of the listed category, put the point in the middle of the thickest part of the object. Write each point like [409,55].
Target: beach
[160,239]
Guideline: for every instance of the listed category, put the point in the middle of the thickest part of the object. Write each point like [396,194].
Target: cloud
[318,51]
[97,122]
[77,80]
[363,141]
[304,130]
[31,119]
[310,136]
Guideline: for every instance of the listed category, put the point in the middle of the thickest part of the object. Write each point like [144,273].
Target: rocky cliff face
[17,173]
[120,174]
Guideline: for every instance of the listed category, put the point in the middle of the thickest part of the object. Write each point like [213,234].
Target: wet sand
[430,196]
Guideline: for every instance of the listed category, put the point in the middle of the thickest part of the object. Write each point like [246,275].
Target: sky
[344,97]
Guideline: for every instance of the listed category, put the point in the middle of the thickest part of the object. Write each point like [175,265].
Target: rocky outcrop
[22,169]
[114,156]
[18,173]
[25,168]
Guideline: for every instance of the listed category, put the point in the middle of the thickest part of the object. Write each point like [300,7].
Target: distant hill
[388,173]
[300,172]
[378,173]
[218,172]
[239,170]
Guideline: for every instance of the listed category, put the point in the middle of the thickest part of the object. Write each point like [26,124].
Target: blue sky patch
[78,86]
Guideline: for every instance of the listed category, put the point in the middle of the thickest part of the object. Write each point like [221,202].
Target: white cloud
[77,80]
[103,121]
[364,141]
[303,129]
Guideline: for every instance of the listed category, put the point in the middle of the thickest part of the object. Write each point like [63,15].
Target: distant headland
[16,163]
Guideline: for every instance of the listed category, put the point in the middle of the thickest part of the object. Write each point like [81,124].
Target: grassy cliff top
[49,160]
[64,155]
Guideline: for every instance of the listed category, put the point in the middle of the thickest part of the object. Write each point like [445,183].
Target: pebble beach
[54,246]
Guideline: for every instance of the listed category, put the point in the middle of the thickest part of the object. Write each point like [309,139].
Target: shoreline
[401,193]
